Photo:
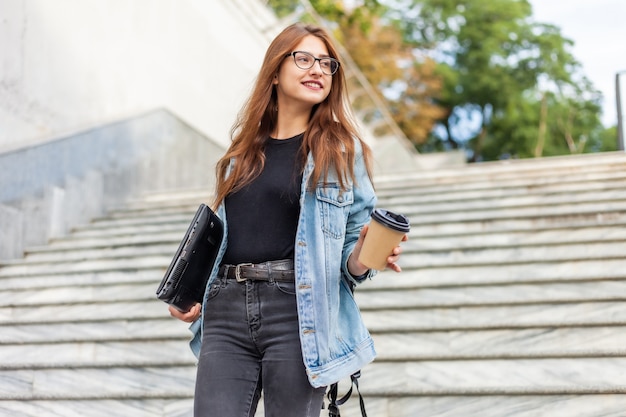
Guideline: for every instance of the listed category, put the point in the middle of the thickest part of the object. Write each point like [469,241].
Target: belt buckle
[238,272]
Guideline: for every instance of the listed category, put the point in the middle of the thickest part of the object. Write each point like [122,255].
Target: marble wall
[71,64]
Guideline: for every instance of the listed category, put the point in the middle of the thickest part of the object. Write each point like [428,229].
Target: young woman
[295,195]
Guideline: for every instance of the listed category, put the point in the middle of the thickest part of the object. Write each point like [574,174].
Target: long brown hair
[329,137]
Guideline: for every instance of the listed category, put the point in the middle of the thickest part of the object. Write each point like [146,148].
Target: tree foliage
[406,84]
[511,85]
[479,75]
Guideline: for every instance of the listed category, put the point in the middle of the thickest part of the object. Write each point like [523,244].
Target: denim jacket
[335,341]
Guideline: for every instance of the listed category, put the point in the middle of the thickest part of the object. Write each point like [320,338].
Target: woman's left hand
[356,268]
[190,316]
[395,255]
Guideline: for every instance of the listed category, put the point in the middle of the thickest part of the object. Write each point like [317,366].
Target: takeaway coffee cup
[386,230]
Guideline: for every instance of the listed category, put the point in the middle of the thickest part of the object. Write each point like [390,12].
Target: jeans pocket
[214,289]
[285,287]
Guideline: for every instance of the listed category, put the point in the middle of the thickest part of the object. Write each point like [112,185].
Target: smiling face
[302,89]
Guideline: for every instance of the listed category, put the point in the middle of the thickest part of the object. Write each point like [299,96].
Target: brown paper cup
[385,232]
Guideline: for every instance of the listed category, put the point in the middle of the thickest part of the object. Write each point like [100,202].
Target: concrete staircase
[511,302]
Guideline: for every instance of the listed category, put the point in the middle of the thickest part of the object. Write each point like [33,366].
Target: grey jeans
[251,344]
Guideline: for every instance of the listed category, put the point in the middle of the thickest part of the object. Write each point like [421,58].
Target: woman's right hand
[192,315]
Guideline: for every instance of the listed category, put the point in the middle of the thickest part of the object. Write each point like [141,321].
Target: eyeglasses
[305,60]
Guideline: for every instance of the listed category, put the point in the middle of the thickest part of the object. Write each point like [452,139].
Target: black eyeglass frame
[315,59]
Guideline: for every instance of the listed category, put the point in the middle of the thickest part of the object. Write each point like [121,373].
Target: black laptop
[185,280]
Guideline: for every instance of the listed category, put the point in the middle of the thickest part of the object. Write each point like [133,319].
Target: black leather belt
[281,270]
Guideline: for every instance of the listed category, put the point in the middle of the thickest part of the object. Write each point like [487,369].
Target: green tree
[606,140]
[407,84]
[498,65]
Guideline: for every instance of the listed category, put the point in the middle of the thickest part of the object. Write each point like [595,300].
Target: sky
[598,29]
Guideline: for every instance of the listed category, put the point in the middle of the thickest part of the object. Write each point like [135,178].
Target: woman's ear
[275,80]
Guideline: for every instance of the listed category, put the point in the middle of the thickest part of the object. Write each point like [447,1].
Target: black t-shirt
[263,216]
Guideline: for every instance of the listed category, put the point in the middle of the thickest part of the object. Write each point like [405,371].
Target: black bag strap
[334,403]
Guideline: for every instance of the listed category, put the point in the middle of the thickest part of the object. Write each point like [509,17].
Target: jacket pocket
[334,206]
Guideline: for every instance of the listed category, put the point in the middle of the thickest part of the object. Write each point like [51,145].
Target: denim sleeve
[194,344]
[360,212]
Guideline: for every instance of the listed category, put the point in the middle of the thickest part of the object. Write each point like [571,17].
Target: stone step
[504,274]
[129,264]
[477,202]
[32,281]
[466,180]
[480,203]
[537,169]
[432,225]
[135,302]
[440,406]
[138,301]
[510,298]
[476,191]
[415,256]
[419,378]
[95,331]
[558,213]
[411,314]
[439,200]
[102,354]
[130,230]
[377,294]
[99,384]
[428,220]
[166,196]
[382,292]
[80,254]
[422,252]
[88,312]
[552,376]
[536,343]
[175,207]
[540,342]
[120,319]
[542,405]
[78,294]
[413,276]
[496,317]
[142,304]
[75,243]
[519,238]
[174,218]
[420,226]
[155,407]
[501,257]
[430,193]
[156,323]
